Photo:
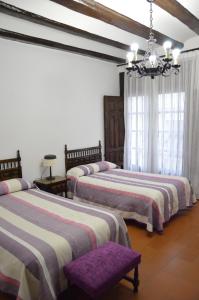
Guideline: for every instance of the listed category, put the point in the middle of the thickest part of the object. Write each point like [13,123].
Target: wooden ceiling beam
[32,17]
[20,37]
[100,12]
[176,9]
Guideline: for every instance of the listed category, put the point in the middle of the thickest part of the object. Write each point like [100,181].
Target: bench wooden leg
[70,291]
[136,280]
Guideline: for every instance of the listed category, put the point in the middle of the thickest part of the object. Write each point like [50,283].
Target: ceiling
[163,21]
[172,19]
[138,10]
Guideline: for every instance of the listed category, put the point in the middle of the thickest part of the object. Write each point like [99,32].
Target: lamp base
[50,178]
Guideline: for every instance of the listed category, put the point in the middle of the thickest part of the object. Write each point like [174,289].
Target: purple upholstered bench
[102,268]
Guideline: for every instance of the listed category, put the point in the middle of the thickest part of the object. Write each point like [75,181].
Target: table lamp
[49,161]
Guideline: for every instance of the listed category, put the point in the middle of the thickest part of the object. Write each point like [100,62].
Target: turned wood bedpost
[66,160]
[100,150]
[19,164]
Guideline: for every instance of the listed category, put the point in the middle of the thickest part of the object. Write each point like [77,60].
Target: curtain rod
[189,50]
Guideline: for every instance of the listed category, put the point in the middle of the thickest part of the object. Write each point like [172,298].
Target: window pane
[140,121]
[167,103]
[134,127]
[133,105]
[133,157]
[140,105]
[140,140]
[170,132]
[134,139]
[137,115]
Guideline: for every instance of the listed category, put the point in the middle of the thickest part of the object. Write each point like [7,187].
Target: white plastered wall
[191,43]
[50,98]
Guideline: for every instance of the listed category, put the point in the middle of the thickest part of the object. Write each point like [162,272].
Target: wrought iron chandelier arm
[138,69]
[153,65]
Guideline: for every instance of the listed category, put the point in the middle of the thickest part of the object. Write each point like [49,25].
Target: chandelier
[153,65]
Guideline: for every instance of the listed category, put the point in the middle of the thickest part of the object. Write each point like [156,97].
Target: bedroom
[50,96]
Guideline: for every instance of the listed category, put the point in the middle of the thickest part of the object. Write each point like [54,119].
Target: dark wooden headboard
[11,168]
[82,156]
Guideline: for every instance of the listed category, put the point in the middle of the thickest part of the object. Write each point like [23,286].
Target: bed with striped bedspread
[148,198]
[40,233]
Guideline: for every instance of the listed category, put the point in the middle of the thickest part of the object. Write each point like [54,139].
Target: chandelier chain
[151,35]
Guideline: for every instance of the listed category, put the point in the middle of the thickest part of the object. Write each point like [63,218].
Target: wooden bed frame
[76,157]
[11,168]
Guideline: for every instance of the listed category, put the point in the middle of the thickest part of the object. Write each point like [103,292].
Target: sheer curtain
[190,80]
[161,116]
[170,128]
[138,122]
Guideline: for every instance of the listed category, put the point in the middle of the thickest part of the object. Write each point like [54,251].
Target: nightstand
[57,186]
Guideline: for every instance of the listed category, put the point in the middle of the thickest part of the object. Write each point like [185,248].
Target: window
[137,114]
[170,132]
[156,131]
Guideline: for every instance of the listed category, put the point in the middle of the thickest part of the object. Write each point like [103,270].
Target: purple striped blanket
[40,233]
[148,198]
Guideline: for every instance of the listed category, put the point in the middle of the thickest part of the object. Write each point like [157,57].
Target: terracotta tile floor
[170,261]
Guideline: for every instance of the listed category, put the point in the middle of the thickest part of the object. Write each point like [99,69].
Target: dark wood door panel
[114,128]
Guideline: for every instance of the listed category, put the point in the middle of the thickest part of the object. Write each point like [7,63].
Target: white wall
[50,98]
[191,43]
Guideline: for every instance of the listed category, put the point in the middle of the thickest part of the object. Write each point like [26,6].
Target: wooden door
[114,129]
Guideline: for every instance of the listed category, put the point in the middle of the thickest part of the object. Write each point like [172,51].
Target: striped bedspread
[148,198]
[40,232]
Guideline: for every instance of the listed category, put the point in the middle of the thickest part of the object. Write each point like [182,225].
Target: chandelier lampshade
[153,65]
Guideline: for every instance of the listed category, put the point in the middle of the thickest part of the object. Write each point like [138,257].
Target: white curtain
[161,122]
[190,79]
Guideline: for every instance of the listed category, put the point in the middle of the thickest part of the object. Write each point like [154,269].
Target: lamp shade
[49,160]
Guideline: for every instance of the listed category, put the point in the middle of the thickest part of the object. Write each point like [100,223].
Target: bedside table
[57,186]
